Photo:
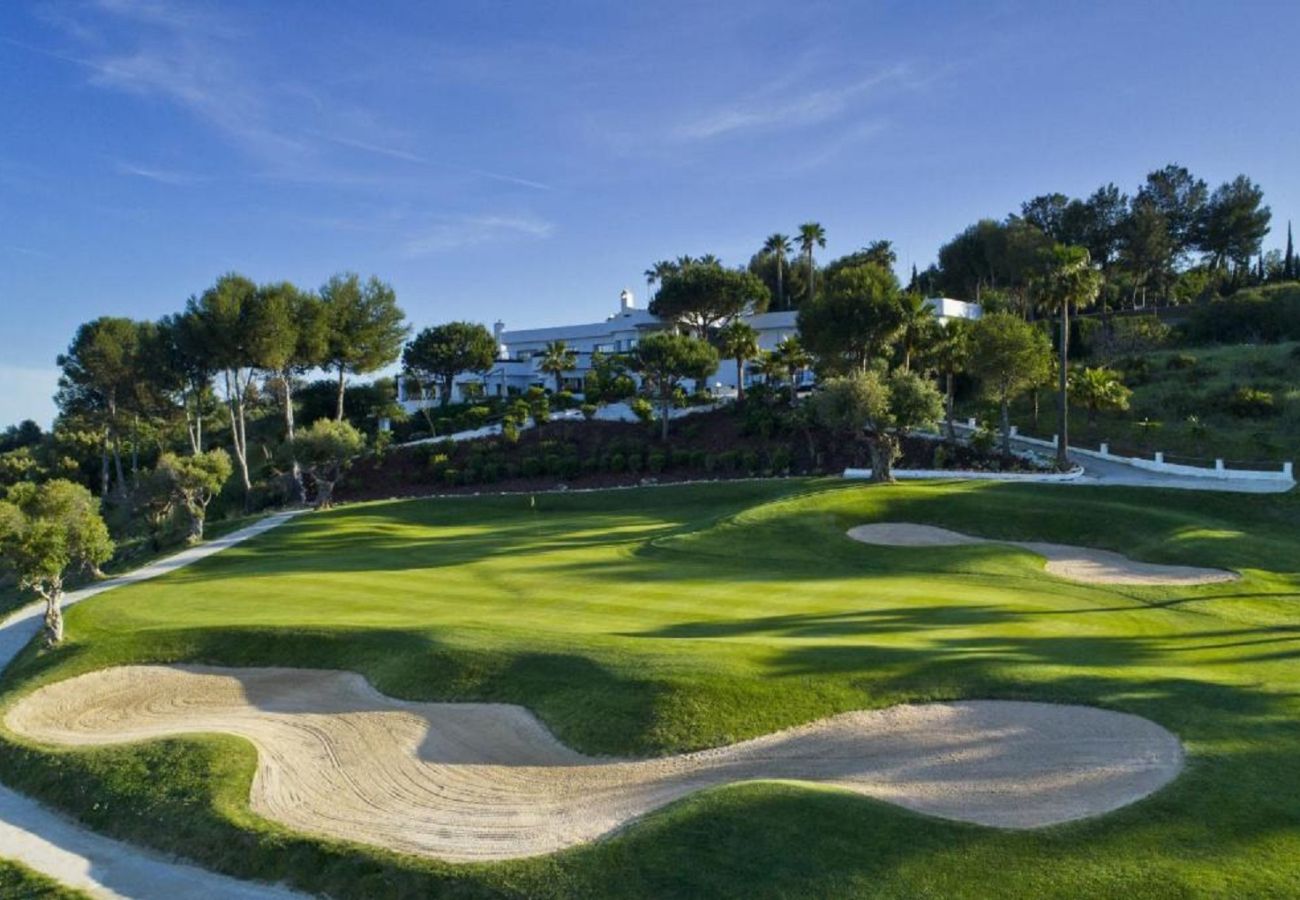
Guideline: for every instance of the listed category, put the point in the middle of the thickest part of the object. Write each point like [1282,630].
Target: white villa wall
[520,350]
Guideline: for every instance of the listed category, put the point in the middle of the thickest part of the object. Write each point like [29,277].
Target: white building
[520,352]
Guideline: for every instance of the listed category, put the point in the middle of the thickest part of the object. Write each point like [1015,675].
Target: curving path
[1082,564]
[486,781]
[73,854]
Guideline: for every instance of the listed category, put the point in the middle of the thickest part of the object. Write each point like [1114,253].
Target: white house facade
[520,352]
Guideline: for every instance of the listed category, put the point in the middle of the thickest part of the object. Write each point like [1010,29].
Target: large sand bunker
[477,781]
[1075,563]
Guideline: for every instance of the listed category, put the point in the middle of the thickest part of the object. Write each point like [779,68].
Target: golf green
[663,620]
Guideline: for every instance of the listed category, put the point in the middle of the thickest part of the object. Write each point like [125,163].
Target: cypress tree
[1288,264]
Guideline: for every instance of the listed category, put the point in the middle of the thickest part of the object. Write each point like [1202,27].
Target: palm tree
[794,358]
[811,235]
[917,319]
[1067,281]
[557,359]
[950,357]
[1098,389]
[739,341]
[656,273]
[778,245]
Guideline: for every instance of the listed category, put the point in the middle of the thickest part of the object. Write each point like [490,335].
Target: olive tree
[664,360]
[326,449]
[878,410]
[48,532]
[192,482]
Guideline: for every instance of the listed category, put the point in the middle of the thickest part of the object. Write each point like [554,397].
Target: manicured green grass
[660,620]
[130,555]
[17,882]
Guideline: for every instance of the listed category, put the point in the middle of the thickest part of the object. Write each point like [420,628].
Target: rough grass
[17,882]
[661,620]
[1165,396]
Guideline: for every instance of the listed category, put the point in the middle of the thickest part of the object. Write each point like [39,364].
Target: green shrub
[780,460]
[589,411]
[699,458]
[643,410]
[570,467]
[710,463]
[681,459]
[531,467]
[1252,403]
[1181,361]
[655,462]
[728,460]
[552,464]
[749,462]
[634,461]
[617,462]
[451,476]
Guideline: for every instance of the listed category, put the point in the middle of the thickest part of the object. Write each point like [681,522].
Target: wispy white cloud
[468,231]
[162,176]
[407,156]
[783,106]
[20,250]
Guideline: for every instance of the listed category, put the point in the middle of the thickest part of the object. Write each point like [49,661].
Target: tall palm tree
[739,341]
[557,359]
[917,319]
[951,355]
[811,235]
[656,273]
[778,245]
[1067,281]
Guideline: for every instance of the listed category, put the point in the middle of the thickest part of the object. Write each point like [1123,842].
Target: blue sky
[528,160]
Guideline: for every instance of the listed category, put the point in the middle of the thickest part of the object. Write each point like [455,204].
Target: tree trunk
[324,492]
[338,415]
[1006,426]
[1063,410]
[235,401]
[103,466]
[297,488]
[117,463]
[54,616]
[952,430]
[740,380]
[883,449]
[665,407]
[780,285]
[197,515]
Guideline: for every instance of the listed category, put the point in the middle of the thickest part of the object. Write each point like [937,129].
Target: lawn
[660,620]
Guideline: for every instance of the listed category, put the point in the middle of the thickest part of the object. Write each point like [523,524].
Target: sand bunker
[1067,561]
[476,781]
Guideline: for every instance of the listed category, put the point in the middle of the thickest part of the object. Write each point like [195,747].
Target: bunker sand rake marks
[470,781]
[1082,564]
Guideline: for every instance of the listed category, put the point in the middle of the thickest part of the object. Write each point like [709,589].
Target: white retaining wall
[1157,463]
[972,475]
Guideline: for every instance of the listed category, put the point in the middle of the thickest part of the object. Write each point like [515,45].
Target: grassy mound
[662,620]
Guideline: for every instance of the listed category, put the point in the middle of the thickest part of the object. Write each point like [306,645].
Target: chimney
[497,328]
[626,302]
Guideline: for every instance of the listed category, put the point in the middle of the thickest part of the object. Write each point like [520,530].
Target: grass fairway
[662,620]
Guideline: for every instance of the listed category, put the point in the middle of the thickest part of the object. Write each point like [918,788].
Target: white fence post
[970,423]
[1056,440]
[1287,469]
[1218,465]
[1160,458]
[1105,449]
[1015,430]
